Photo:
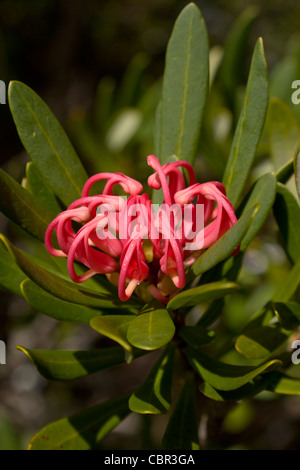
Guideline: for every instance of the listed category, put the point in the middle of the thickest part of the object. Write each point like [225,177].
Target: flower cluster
[128,241]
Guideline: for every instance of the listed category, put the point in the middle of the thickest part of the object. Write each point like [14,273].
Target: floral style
[124,238]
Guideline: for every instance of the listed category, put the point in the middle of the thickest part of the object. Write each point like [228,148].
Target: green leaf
[283,384]
[46,143]
[84,430]
[157,129]
[262,193]
[287,214]
[284,132]
[289,285]
[40,190]
[185,86]
[249,127]
[222,376]
[70,365]
[297,170]
[235,51]
[59,287]
[225,246]
[196,336]
[115,327]
[203,293]
[154,395]
[246,391]
[22,208]
[182,430]
[258,343]
[285,172]
[11,275]
[54,307]
[151,330]
[288,314]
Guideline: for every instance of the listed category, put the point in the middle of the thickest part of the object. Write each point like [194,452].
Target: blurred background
[98,65]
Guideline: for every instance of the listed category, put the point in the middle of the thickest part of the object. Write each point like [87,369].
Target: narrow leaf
[203,293]
[245,392]
[284,132]
[283,384]
[249,127]
[22,208]
[59,287]
[289,285]
[288,314]
[235,51]
[11,275]
[258,343]
[185,85]
[262,193]
[70,365]
[46,142]
[40,189]
[287,214]
[297,170]
[154,395]
[224,376]
[82,431]
[115,327]
[54,307]
[182,429]
[151,330]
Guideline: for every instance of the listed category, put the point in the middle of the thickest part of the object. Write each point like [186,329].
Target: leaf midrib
[60,161]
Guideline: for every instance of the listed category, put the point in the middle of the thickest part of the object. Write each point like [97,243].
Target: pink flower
[130,242]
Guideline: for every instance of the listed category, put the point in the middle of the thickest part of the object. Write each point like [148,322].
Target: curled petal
[176,178]
[64,232]
[129,185]
[82,251]
[221,218]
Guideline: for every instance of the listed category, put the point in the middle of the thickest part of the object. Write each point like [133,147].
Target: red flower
[128,241]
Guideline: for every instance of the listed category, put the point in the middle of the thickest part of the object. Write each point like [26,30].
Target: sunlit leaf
[203,293]
[70,365]
[62,310]
[249,127]
[84,430]
[185,85]
[154,395]
[246,391]
[115,327]
[283,384]
[262,193]
[224,376]
[151,330]
[260,342]
[288,314]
